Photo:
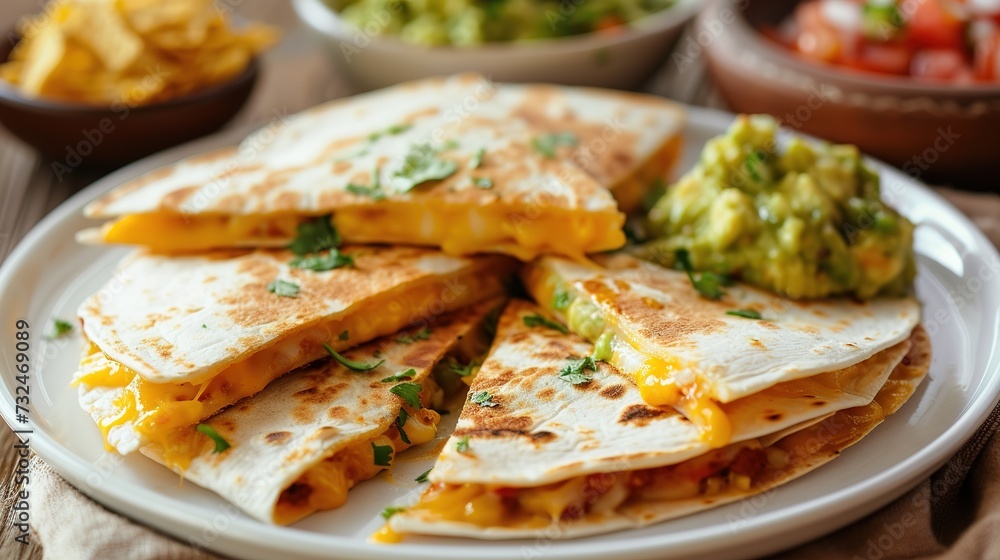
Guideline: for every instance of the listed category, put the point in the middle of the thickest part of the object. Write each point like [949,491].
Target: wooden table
[295,76]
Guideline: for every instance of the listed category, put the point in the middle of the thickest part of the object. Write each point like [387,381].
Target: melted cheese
[457,229]
[329,480]
[163,412]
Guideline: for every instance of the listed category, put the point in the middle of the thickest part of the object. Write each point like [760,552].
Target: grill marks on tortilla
[641,414]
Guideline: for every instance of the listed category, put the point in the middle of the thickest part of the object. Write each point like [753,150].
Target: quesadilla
[173,340]
[298,446]
[694,353]
[562,456]
[457,163]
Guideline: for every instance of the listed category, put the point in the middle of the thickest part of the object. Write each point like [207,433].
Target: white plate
[959,283]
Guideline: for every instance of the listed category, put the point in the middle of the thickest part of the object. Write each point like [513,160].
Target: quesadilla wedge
[299,445]
[173,340]
[564,457]
[694,353]
[457,163]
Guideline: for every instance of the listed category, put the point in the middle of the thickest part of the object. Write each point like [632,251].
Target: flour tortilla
[311,414]
[728,357]
[565,415]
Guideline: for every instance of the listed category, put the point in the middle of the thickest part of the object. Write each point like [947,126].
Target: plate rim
[245,533]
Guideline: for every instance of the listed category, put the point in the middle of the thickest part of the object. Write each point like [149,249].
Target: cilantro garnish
[323,262]
[753,162]
[546,144]
[392,510]
[408,374]
[560,298]
[382,454]
[400,423]
[315,236]
[351,364]
[422,334]
[409,392]
[375,193]
[483,182]
[537,320]
[574,372]
[477,158]
[60,328]
[421,165]
[708,284]
[391,131]
[346,335]
[220,443]
[283,288]
[745,313]
[423,476]
[460,370]
[462,445]
[483,398]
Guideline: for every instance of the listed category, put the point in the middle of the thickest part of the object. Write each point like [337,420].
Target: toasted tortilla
[176,339]
[303,442]
[687,351]
[515,189]
[602,431]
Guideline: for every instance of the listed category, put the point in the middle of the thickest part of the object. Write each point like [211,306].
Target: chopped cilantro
[421,165]
[382,454]
[462,445]
[401,423]
[423,475]
[477,158]
[753,162]
[350,364]
[483,182]
[574,372]
[375,193]
[546,144]
[408,374]
[220,443]
[346,335]
[708,284]
[315,236]
[283,288]
[483,398]
[537,320]
[323,262]
[422,334]
[410,393]
[561,298]
[203,326]
[391,131]
[60,328]
[745,313]
[460,370]
[392,510]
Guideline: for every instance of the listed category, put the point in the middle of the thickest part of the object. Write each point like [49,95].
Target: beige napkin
[954,515]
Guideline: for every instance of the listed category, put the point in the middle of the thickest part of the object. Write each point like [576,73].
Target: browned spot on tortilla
[640,414]
[774,417]
[613,391]
[818,403]
[277,437]
[342,166]
[543,436]
[288,200]
[337,412]
[546,393]
[851,345]
[174,199]
[756,343]
[767,325]
[819,313]
[622,285]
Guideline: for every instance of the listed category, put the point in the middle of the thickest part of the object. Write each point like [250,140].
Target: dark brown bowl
[76,135]
[940,133]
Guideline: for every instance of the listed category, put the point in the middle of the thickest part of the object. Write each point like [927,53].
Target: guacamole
[805,221]
[472,22]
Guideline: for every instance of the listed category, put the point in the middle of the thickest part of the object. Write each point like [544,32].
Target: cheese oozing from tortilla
[524,232]
[161,412]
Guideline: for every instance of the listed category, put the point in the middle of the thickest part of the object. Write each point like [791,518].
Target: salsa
[805,220]
[942,40]
[471,22]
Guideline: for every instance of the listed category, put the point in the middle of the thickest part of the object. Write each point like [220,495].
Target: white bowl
[621,60]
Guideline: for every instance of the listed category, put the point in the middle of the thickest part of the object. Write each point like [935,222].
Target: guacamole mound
[805,221]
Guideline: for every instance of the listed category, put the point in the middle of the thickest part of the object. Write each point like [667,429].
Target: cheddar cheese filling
[737,467]
[662,380]
[325,485]
[161,413]
[522,231]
